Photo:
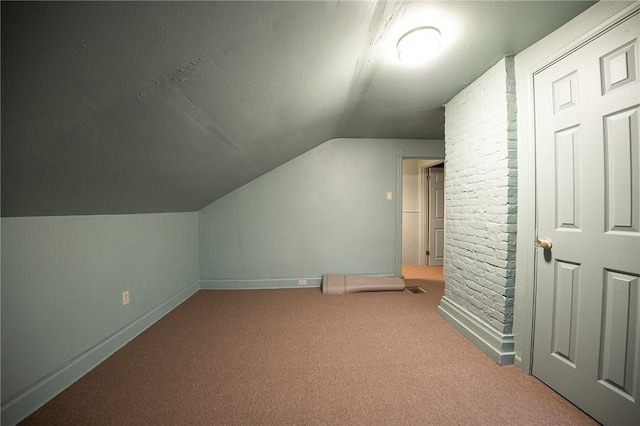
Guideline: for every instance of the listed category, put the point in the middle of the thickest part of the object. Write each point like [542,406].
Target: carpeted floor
[298,357]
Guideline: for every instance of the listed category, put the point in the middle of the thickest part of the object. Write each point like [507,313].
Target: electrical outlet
[389,196]
[125,297]
[302,282]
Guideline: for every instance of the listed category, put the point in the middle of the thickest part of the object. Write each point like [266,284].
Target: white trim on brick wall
[497,346]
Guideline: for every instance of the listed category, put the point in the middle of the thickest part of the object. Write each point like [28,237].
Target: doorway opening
[422,222]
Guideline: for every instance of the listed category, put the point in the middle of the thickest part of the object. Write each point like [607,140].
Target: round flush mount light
[418,45]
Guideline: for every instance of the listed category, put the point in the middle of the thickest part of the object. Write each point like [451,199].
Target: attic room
[177,177]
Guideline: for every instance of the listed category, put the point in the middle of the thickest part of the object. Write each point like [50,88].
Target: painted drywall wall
[62,280]
[410,211]
[480,188]
[527,62]
[323,212]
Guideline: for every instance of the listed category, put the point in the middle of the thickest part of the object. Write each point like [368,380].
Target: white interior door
[436,216]
[587,319]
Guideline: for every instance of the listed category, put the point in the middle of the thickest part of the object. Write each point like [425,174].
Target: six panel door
[587,319]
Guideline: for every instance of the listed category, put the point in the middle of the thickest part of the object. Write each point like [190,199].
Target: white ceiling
[139,107]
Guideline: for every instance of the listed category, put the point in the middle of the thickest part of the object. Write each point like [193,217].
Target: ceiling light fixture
[418,45]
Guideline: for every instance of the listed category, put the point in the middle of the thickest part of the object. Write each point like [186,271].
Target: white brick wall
[480,188]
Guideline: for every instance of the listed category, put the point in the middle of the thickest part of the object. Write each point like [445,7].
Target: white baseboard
[39,393]
[266,283]
[498,346]
[518,362]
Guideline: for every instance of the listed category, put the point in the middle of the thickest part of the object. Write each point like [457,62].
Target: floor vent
[416,290]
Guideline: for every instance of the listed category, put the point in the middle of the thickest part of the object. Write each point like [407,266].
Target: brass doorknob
[545,243]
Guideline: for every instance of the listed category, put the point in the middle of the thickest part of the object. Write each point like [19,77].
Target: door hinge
[427,253]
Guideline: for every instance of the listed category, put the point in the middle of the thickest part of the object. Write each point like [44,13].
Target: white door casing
[587,318]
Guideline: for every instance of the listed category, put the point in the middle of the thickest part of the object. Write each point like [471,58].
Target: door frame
[569,38]
[426,154]
[419,212]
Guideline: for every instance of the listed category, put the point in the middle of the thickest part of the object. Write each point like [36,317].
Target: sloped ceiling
[140,107]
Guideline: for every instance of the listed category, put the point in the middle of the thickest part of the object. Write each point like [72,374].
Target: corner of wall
[481,211]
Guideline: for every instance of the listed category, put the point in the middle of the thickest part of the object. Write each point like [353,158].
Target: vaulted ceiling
[140,107]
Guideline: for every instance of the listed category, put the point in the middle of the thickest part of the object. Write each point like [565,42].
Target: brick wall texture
[480,188]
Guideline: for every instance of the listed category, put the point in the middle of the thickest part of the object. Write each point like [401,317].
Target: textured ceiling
[140,107]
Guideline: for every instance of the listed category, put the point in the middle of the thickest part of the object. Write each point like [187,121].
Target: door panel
[621,170]
[436,216]
[565,315]
[587,320]
[567,182]
[619,341]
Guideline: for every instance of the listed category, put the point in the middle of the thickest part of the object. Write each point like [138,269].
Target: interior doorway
[422,212]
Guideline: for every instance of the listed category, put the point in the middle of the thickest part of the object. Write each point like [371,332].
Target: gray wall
[323,212]
[411,212]
[62,279]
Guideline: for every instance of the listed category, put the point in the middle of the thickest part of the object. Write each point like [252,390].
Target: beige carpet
[298,357]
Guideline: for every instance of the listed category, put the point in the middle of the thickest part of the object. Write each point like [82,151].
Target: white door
[587,320]
[436,216]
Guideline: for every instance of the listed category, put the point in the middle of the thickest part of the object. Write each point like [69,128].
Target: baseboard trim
[498,346]
[256,284]
[518,362]
[265,283]
[39,393]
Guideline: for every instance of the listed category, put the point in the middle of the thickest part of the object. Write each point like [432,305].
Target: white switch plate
[389,196]
[125,297]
